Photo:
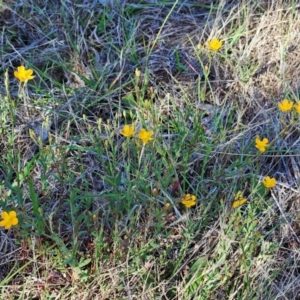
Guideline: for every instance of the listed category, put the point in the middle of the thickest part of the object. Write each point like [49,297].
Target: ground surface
[100,214]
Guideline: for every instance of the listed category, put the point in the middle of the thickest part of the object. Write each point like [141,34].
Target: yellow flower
[145,135]
[269,182]
[297,107]
[261,144]
[128,130]
[24,75]
[214,44]
[188,200]
[9,219]
[285,105]
[238,200]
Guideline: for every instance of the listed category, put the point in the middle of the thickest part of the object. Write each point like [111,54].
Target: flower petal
[238,203]
[4,215]
[21,69]
[12,214]
[2,223]
[14,221]
[7,226]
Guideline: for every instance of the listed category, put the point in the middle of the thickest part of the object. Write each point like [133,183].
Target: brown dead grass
[258,67]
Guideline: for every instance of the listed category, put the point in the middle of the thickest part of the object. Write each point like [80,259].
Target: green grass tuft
[101,214]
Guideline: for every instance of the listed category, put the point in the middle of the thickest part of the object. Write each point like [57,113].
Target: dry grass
[94,223]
